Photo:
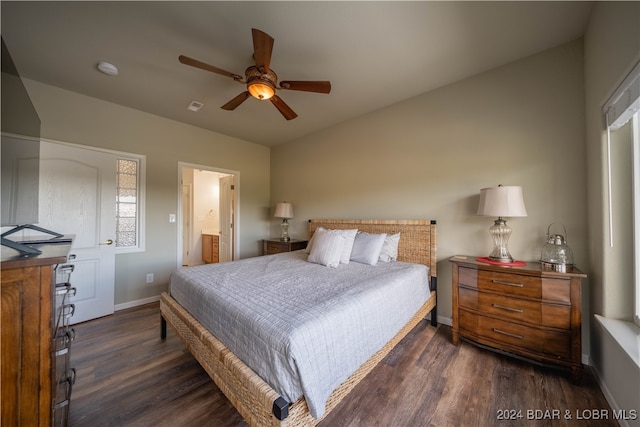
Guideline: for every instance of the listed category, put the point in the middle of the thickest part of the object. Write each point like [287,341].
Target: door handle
[107,242]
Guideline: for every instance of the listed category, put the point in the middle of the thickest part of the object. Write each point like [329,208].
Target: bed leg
[434,311]
[434,316]
[163,328]
[280,408]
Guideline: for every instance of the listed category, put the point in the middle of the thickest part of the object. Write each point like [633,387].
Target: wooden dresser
[276,246]
[31,308]
[524,310]
[210,248]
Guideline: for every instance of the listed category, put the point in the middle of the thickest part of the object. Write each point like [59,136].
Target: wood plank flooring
[128,376]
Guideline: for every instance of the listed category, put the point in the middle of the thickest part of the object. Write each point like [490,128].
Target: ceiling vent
[195,106]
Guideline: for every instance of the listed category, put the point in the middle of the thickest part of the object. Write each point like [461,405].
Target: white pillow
[389,250]
[312,240]
[327,248]
[367,248]
[349,239]
[349,236]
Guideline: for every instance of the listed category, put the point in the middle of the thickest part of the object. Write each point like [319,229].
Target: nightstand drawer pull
[498,331]
[504,307]
[501,282]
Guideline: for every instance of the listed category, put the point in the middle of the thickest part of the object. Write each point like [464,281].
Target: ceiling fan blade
[262,48]
[284,109]
[233,104]
[198,64]
[307,86]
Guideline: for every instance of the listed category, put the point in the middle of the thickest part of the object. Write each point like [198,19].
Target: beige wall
[70,117]
[428,157]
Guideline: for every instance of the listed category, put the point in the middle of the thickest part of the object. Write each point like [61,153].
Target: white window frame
[635,129]
[140,220]
[621,107]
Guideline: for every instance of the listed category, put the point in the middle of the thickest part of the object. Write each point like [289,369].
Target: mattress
[302,327]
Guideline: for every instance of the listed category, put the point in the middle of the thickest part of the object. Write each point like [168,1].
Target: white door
[78,196]
[226,218]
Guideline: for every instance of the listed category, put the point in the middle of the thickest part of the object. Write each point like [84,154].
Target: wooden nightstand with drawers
[276,246]
[525,310]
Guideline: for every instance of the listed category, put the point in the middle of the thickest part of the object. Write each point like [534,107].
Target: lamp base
[500,233]
[284,237]
[505,260]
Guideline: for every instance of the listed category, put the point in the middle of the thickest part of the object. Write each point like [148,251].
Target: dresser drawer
[511,284]
[275,248]
[556,290]
[556,345]
[468,277]
[522,310]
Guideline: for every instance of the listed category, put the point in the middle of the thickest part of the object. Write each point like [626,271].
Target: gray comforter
[302,327]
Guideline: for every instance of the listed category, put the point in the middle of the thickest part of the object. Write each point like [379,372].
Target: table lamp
[284,210]
[501,202]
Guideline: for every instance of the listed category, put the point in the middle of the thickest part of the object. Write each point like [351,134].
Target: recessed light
[195,106]
[108,68]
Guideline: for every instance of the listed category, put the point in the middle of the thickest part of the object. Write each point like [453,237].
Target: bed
[249,389]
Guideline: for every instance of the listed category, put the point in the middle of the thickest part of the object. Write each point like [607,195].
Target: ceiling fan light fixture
[261,85]
[261,90]
[261,80]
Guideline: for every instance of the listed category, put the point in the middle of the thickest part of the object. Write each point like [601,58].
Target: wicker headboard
[417,244]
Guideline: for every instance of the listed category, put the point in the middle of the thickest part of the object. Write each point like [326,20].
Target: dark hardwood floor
[128,376]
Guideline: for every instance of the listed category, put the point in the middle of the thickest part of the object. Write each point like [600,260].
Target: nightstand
[525,310]
[276,246]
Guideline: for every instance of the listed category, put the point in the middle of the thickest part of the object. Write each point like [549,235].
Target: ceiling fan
[261,80]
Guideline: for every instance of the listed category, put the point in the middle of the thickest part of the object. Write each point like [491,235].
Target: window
[129,205]
[621,112]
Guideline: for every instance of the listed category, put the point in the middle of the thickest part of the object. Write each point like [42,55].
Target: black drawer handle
[69,380]
[68,310]
[67,268]
[66,339]
[504,307]
[62,404]
[65,288]
[509,334]
[70,376]
[501,282]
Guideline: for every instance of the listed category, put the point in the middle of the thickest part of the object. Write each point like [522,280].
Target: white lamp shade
[502,201]
[283,210]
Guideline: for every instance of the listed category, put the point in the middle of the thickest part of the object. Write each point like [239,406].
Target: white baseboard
[445,320]
[608,395]
[136,303]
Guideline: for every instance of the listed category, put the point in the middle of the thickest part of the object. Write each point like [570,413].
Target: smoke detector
[108,68]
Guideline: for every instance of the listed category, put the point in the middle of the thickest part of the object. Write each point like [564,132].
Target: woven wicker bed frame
[254,399]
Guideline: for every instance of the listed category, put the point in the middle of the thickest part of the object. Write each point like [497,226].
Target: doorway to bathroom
[207,215]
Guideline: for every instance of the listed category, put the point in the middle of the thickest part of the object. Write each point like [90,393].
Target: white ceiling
[374,53]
